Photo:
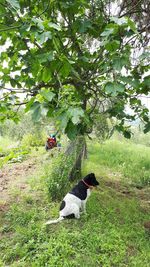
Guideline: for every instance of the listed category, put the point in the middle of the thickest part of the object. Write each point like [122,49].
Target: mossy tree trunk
[78,148]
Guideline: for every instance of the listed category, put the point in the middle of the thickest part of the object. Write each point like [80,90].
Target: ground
[14,176]
[115,231]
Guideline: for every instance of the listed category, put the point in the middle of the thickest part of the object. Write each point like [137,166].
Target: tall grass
[132,161]
[5,143]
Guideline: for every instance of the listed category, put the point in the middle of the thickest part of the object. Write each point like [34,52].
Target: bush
[34,140]
[64,168]
[13,155]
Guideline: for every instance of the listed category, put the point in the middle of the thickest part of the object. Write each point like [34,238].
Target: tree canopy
[70,60]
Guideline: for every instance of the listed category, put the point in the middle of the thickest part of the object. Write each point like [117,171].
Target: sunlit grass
[130,160]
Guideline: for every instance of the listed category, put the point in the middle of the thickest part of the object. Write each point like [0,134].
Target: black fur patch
[70,216]
[63,204]
[80,191]
[90,179]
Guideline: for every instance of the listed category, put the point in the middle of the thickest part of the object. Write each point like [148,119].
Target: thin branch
[44,9]
[130,10]
[21,104]
[36,44]
[10,28]
[16,90]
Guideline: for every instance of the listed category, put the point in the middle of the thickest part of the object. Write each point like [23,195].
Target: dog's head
[90,179]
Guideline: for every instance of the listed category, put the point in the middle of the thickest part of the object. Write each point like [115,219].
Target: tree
[140,12]
[70,59]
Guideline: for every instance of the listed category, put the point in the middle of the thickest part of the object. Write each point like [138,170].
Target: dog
[74,203]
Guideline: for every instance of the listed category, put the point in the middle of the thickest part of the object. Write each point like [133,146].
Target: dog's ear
[95,182]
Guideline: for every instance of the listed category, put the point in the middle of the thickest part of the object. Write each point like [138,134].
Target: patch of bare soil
[142,194]
[119,187]
[14,176]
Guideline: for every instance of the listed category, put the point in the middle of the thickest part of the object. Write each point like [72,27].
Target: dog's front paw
[77,216]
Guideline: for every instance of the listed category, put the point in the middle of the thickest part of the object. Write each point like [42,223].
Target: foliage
[101,127]
[67,59]
[12,155]
[140,138]
[5,144]
[63,168]
[25,126]
[129,160]
[34,140]
[140,13]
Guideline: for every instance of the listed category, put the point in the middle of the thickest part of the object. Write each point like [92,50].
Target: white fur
[74,205]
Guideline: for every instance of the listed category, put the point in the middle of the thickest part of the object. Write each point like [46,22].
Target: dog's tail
[54,221]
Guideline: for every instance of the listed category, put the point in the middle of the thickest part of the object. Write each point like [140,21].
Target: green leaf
[120,62]
[48,95]
[132,25]
[135,101]
[2,10]
[14,3]
[145,85]
[75,114]
[110,29]
[146,81]
[44,57]
[114,88]
[145,55]
[43,37]
[75,73]
[145,118]
[44,110]
[127,134]
[29,104]
[84,25]
[46,74]
[54,26]
[3,108]
[13,82]
[71,130]
[63,120]
[126,22]
[66,68]
[39,23]
[147,128]
[36,111]
[112,46]
[120,21]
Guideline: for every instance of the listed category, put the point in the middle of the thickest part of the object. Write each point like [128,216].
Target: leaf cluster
[68,59]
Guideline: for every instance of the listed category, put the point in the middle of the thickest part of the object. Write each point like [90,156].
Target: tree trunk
[78,148]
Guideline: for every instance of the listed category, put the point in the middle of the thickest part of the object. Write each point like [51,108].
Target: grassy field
[112,233]
[131,161]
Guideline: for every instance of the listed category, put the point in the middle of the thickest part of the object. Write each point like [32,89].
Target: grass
[129,160]
[110,235]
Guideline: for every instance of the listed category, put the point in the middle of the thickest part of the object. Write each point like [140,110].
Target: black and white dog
[75,201]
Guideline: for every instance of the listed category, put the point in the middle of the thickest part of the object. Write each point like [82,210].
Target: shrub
[34,140]
[64,167]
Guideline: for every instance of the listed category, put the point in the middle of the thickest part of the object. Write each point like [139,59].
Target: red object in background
[51,143]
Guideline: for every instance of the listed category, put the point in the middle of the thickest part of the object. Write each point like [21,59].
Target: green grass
[129,160]
[110,235]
